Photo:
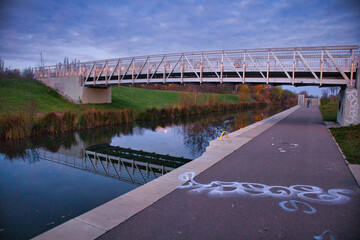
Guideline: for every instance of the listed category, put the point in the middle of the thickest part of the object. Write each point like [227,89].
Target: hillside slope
[17,94]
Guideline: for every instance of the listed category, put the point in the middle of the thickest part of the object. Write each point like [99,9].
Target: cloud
[89,30]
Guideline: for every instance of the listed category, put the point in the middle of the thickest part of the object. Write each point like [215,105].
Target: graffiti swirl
[228,189]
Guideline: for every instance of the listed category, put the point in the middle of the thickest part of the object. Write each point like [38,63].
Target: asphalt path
[258,192]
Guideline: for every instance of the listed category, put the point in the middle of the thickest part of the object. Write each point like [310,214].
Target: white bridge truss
[126,170]
[322,66]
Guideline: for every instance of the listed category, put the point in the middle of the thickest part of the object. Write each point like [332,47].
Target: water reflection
[46,181]
[196,132]
[125,164]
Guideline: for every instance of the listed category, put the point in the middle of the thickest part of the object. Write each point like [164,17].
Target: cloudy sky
[89,30]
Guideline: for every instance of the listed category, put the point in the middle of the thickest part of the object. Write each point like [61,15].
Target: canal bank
[45,171]
[283,151]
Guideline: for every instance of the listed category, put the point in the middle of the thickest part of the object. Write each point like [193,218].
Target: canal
[46,181]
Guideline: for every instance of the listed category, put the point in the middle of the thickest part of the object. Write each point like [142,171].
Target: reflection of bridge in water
[125,164]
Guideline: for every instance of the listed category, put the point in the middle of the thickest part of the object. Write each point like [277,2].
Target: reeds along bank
[25,125]
[17,126]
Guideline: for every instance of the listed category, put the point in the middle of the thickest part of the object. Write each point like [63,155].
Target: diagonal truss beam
[212,66]
[157,67]
[142,67]
[90,72]
[191,66]
[126,169]
[98,158]
[113,71]
[127,69]
[256,65]
[116,171]
[92,164]
[337,65]
[281,65]
[101,71]
[307,65]
[172,70]
[233,66]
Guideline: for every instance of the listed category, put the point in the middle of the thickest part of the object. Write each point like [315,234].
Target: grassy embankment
[28,108]
[348,138]
[15,95]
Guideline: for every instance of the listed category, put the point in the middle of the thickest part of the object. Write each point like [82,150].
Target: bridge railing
[243,64]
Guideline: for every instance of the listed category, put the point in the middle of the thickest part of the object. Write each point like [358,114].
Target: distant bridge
[322,66]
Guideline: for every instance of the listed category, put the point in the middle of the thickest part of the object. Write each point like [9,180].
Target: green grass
[15,95]
[141,99]
[138,99]
[348,139]
[329,110]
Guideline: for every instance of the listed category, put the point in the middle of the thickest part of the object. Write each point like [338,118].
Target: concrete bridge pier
[348,106]
[96,95]
[72,88]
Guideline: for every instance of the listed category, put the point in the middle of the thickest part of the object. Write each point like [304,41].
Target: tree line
[246,93]
[7,72]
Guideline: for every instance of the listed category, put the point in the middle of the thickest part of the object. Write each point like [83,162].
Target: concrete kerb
[355,170]
[72,229]
[96,222]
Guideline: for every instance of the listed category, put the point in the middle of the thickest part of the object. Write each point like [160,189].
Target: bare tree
[304,92]
[2,67]
[28,73]
[325,93]
[15,73]
[333,92]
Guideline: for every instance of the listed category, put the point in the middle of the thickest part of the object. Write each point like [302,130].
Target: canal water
[46,181]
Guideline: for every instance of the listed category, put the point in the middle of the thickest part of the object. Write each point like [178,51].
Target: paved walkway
[254,192]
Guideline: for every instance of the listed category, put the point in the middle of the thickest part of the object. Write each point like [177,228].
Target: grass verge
[348,139]
[328,110]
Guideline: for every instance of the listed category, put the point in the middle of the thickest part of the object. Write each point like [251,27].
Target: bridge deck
[323,66]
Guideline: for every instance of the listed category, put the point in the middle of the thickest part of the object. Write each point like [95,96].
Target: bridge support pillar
[301,99]
[348,106]
[96,95]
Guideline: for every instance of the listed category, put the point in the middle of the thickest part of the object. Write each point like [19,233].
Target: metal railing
[303,65]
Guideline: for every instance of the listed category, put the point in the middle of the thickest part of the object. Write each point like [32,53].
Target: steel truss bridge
[321,66]
[127,165]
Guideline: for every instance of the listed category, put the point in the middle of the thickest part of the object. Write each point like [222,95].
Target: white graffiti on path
[320,237]
[229,189]
[354,107]
[292,206]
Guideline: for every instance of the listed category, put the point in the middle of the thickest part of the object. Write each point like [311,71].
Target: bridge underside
[275,78]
